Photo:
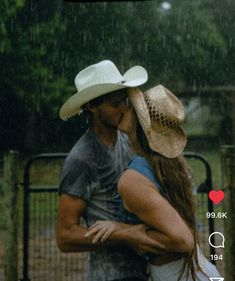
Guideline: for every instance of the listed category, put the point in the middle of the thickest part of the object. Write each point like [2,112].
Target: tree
[44,45]
[28,67]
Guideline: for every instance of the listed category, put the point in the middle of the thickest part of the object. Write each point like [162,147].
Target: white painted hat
[99,79]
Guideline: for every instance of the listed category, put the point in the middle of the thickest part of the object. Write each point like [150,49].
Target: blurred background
[188,46]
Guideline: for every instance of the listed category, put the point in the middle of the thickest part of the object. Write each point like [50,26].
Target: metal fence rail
[202,191]
[42,259]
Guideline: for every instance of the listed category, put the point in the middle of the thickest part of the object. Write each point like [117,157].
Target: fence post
[10,176]
[228,180]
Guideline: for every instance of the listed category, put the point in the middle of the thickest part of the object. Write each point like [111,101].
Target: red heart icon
[216,196]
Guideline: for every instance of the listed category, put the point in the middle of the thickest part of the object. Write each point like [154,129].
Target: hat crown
[165,109]
[104,72]
[100,79]
[160,114]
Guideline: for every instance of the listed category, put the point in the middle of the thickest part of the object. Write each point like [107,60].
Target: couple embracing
[127,178]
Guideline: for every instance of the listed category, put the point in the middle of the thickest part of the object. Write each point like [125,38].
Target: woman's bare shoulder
[132,180]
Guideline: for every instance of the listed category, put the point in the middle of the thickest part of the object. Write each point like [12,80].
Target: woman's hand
[101,230]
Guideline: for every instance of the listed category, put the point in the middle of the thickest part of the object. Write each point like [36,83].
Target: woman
[156,189]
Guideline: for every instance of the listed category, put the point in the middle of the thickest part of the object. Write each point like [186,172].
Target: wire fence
[45,261]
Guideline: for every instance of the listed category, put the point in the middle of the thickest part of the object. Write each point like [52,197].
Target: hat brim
[165,141]
[169,143]
[134,77]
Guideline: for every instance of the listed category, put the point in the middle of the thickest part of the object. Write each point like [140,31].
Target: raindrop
[230,42]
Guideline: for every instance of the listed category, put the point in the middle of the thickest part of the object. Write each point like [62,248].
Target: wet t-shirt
[91,172]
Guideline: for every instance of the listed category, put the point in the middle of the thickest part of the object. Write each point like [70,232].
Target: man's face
[112,110]
[126,124]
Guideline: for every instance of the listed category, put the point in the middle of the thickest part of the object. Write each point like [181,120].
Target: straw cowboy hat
[99,79]
[160,114]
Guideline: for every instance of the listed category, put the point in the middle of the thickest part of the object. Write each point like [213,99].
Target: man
[89,177]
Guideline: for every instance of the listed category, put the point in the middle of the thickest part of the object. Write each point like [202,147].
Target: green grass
[42,173]
[199,171]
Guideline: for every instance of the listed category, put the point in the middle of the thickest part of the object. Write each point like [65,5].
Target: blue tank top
[141,165]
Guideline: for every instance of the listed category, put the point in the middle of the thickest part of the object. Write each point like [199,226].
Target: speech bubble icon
[221,244]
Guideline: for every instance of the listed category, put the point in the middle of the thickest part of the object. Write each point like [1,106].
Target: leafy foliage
[43,45]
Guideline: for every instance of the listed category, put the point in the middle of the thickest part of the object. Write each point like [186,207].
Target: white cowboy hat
[160,114]
[99,79]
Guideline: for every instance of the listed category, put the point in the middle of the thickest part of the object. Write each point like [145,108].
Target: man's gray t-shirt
[91,172]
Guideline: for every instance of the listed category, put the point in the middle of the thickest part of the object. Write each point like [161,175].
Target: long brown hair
[173,176]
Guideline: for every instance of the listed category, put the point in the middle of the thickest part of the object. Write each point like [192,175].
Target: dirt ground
[46,262]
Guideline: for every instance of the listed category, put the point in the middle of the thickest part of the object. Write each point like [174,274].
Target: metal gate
[41,257]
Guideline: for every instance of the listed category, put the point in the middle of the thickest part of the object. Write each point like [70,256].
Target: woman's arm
[72,236]
[141,197]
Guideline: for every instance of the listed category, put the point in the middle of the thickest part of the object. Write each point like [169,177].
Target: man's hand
[136,236]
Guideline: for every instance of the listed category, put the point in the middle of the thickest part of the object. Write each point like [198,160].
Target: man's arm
[69,232]
[71,235]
